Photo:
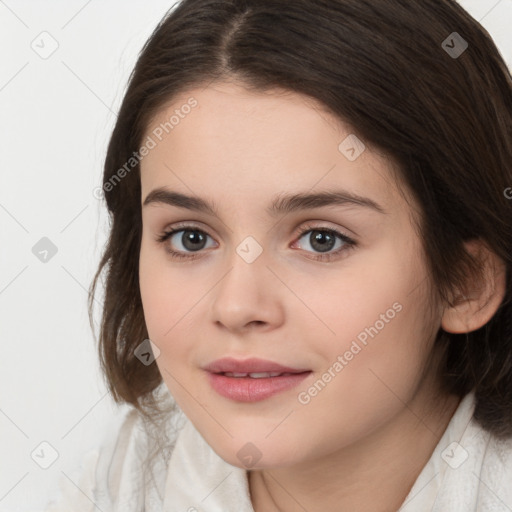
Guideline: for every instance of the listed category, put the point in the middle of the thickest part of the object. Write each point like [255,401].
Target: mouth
[252,366]
[255,375]
[252,380]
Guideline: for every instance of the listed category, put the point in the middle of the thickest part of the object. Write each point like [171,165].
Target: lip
[251,365]
[249,389]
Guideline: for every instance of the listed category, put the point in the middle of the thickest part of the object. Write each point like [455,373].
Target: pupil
[191,239]
[322,241]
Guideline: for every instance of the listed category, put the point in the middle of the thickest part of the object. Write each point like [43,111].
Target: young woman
[308,275]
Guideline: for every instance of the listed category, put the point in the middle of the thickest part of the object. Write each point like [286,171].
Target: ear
[479,302]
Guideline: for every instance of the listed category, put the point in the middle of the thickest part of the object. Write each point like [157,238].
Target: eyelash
[349,243]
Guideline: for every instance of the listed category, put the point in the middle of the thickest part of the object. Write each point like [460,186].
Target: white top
[469,471]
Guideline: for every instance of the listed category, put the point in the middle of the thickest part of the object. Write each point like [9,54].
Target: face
[333,286]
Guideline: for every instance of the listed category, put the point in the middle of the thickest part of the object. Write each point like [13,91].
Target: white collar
[448,455]
[199,480]
[453,478]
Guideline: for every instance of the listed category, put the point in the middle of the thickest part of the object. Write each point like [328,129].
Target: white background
[56,115]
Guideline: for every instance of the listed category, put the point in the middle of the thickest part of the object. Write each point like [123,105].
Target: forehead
[224,138]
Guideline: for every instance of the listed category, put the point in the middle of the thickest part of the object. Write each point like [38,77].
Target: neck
[384,464]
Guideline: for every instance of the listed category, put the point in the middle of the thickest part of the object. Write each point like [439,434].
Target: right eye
[180,243]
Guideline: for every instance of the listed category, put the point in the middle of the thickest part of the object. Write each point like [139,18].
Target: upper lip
[252,365]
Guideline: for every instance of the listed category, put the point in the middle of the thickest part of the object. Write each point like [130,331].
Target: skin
[361,442]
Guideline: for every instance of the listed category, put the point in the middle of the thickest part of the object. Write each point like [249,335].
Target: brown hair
[388,70]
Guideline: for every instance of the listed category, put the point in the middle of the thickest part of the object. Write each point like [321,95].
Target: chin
[254,455]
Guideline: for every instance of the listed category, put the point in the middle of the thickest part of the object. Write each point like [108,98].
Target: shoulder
[482,473]
[495,478]
[103,475]
[490,465]
[83,487]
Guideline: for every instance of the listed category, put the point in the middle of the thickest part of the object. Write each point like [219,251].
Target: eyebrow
[282,204]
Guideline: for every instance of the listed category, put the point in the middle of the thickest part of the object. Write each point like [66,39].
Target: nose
[248,296]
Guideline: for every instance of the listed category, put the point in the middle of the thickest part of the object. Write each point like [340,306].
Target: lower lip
[247,389]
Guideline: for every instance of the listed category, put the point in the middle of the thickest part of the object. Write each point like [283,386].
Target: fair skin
[361,442]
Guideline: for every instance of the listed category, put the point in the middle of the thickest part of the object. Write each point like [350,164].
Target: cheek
[171,303]
[163,307]
[373,364]
[150,291]
[160,297]
[376,316]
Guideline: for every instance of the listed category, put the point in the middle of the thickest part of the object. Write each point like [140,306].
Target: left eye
[325,240]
